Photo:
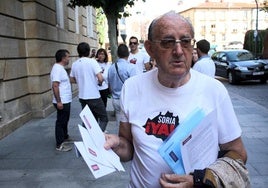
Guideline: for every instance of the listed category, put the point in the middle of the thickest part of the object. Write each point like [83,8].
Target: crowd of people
[97,80]
[151,90]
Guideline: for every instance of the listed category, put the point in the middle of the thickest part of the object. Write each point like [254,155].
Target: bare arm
[148,66]
[100,78]
[73,80]
[56,92]
[237,146]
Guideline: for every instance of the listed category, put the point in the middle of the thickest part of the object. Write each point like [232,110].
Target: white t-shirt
[152,116]
[139,59]
[105,68]
[59,74]
[206,66]
[84,70]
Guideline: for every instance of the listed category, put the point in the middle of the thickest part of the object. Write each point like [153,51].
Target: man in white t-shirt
[154,103]
[87,73]
[137,57]
[62,98]
[204,64]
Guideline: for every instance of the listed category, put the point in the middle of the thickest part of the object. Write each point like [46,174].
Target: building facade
[225,22]
[219,21]
[31,32]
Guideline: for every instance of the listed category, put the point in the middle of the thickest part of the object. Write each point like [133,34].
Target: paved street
[28,157]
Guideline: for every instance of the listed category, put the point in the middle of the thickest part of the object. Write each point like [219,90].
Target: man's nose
[177,48]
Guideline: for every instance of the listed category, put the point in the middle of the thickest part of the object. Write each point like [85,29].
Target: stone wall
[29,38]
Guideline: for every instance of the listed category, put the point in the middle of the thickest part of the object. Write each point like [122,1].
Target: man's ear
[148,47]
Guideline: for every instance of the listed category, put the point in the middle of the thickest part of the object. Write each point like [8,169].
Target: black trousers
[104,96]
[98,110]
[61,125]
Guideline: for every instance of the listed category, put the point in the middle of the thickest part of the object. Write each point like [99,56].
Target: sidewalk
[28,157]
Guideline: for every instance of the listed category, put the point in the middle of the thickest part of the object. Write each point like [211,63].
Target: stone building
[31,32]
[223,22]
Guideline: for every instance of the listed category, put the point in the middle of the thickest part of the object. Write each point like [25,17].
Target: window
[234,30]
[212,28]
[203,28]
[223,37]
[89,22]
[59,13]
[213,38]
[76,20]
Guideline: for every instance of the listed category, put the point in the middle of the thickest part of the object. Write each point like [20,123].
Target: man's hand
[112,141]
[176,181]
[59,105]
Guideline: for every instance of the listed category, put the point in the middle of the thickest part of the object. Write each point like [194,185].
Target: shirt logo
[133,61]
[161,125]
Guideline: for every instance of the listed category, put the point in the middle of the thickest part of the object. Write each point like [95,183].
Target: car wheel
[231,78]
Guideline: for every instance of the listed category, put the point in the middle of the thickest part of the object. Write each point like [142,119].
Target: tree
[113,9]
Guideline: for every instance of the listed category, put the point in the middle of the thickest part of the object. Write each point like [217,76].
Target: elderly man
[173,91]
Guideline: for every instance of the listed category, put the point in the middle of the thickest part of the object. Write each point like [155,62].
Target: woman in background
[102,59]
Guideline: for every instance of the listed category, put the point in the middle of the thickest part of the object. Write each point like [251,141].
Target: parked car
[239,65]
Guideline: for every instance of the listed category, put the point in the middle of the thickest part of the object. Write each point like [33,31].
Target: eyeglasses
[170,43]
[135,43]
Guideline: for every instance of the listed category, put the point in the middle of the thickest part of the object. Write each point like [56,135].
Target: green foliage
[113,9]
[110,7]
[250,43]
[101,25]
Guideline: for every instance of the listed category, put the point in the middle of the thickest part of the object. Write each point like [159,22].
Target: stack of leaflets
[99,160]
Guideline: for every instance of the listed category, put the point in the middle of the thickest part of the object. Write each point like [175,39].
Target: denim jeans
[98,110]
[61,125]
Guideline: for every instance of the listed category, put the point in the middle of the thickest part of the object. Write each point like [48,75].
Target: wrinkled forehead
[172,26]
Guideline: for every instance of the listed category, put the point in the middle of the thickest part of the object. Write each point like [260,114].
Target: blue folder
[170,149]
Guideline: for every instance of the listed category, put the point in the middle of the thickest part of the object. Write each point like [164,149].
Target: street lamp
[256,31]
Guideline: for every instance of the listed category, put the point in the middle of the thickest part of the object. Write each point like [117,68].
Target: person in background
[151,65]
[102,59]
[62,98]
[195,57]
[86,72]
[170,93]
[204,64]
[119,71]
[93,53]
[137,57]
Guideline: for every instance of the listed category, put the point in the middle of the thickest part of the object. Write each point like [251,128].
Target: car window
[224,58]
[240,56]
[214,56]
[243,56]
